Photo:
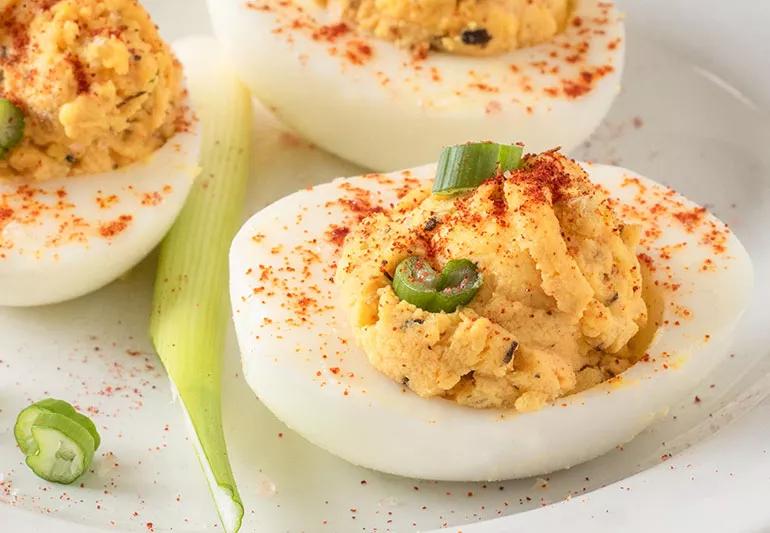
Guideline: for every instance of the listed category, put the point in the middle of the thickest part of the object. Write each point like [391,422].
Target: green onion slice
[28,417]
[11,126]
[466,166]
[416,282]
[60,450]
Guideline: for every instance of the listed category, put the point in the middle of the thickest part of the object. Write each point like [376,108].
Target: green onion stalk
[190,313]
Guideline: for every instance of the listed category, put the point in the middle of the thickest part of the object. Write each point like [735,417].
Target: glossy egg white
[300,358]
[355,95]
[63,238]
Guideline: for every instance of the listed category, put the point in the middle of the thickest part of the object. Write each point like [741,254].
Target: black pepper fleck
[430,224]
[476,37]
[509,354]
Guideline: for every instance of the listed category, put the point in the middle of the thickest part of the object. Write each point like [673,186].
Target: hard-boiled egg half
[302,360]
[109,151]
[383,106]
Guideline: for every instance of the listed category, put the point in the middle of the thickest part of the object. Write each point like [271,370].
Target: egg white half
[294,58]
[63,238]
[300,358]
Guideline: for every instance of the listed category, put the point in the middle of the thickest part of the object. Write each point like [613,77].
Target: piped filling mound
[98,87]
[560,300]
[472,27]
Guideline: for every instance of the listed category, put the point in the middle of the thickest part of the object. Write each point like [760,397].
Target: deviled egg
[499,321]
[98,148]
[387,83]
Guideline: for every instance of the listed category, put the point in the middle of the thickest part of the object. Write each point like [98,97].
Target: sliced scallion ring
[62,450]
[466,166]
[11,126]
[28,417]
[416,282]
[460,281]
[58,441]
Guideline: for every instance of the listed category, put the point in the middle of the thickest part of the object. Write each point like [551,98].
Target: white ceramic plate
[693,114]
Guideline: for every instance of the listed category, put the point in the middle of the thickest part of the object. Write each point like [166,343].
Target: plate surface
[693,114]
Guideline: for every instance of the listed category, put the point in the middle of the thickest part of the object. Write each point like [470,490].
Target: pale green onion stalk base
[226,497]
[190,308]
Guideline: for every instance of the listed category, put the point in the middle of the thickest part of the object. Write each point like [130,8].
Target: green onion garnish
[11,126]
[191,312]
[58,441]
[466,166]
[416,282]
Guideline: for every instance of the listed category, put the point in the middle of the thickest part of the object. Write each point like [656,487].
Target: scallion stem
[190,308]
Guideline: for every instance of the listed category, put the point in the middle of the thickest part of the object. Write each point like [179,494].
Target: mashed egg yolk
[98,86]
[562,293]
[474,27]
